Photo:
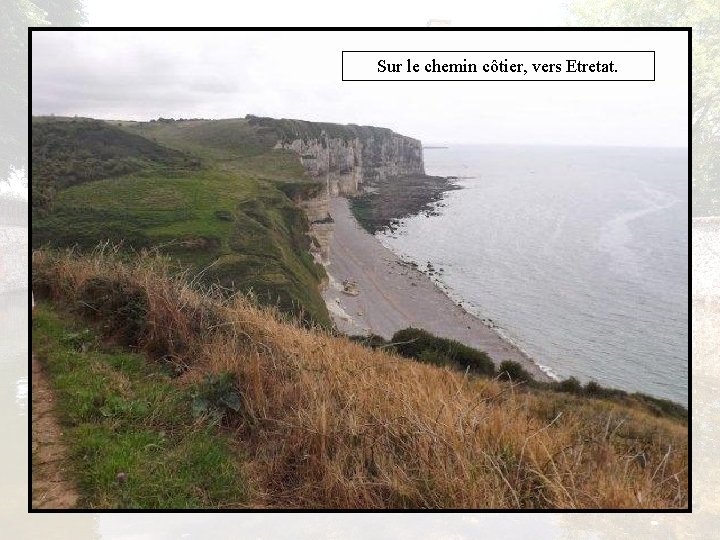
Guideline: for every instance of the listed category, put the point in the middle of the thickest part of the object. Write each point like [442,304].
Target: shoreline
[392,295]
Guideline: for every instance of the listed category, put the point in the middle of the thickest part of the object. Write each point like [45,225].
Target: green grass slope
[125,416]
[67,152]
[212,194]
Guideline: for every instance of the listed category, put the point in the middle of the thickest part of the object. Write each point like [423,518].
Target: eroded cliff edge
[345,159]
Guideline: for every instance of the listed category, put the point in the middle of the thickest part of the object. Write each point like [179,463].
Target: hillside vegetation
[316,420]
[212,194]
[134,440]
[67,152]
[425,347]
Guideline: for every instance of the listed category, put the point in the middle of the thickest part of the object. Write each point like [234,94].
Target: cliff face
[343,158]
[345,162]
[338,162]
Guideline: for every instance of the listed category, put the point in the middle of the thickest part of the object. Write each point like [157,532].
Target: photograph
[261,282]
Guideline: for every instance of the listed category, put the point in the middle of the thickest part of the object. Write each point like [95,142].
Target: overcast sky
[144,75]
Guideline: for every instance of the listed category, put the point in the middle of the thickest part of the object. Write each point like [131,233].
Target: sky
[144,75]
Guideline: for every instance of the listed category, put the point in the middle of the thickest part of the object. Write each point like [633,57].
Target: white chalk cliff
[344,162]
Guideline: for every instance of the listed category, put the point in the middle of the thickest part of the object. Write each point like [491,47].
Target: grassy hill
[210,193]
[306,419]
[67,152]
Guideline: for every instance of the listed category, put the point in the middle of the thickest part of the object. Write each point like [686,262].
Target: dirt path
[50,486]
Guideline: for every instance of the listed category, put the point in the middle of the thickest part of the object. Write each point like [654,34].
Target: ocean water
[579,255]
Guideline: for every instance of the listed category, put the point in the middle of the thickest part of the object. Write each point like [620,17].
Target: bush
[657,406]
[514,371]
[412,342]
[422,345]
[123,306]
[661,407]
[571,385]
[593,389]
[431,356]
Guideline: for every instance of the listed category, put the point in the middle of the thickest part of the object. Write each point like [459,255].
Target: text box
[498,65]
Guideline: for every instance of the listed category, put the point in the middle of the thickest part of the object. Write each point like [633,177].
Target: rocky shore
[385,200]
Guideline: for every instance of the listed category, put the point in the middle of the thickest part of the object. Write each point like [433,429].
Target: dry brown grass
[329,423]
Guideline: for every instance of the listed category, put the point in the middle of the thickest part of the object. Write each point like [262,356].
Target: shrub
[514,371]
[414,342]
[657,406]
[122,305]
[593,389]
[571,385]
[431,356]
[661,407]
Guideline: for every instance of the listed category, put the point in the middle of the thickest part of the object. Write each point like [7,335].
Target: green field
[214,195]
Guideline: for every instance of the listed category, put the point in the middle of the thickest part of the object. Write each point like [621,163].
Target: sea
[578,255]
